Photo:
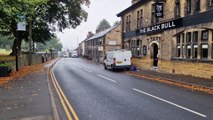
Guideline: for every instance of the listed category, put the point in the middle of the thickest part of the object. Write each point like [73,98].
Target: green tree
[103,25]
[46,17]
[116,23]
[52,43]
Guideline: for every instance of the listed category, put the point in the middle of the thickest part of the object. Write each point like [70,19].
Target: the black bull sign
[160,27]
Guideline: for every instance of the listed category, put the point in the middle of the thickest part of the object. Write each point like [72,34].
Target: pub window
[127,22]
[183,37]
[188,37]
[188,51]
[212,50]
[141,18]
[210,3]
[195,51]
[178,39]
[177,8]
[204,51]
[144,50]
[197,5]
[188,6]
[138,19]
[195,36]
[205,35]
[178,51]
[183,51]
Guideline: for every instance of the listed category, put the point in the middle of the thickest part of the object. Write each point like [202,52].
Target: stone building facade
[174,36]
[107,40]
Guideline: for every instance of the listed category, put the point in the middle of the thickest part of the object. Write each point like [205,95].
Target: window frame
[197,5]
[177,8]
[202,35]
[201,55]
[188,6]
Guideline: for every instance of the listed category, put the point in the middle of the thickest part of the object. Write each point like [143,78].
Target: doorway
[155,55]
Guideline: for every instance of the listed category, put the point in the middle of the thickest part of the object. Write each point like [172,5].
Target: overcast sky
[98,10]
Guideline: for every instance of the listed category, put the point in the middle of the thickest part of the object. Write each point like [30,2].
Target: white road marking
[166,101]
[106,78]
[79,67]
[87,70]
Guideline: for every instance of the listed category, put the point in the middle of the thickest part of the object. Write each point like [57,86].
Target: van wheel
[112,68]
[105,67]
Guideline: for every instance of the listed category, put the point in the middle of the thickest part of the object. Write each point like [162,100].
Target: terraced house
[174,36]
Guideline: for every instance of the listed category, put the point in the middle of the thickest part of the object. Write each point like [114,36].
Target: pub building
[174,36]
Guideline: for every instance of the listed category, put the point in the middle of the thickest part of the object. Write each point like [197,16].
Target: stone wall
[196,69]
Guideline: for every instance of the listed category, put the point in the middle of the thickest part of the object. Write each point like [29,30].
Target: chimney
[134,1]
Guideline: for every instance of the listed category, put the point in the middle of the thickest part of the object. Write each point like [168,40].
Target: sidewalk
[183,79]
[27,98]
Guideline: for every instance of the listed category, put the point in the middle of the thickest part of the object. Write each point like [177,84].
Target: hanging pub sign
[159,10]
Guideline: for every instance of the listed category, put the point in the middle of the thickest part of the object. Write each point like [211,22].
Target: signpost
[21,26]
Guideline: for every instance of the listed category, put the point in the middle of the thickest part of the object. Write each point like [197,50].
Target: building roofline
[102,33]
[136,5]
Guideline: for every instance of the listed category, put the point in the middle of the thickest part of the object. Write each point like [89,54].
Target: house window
[177,8]
[197,5]
[188,37]
[205,35]
[178,39]
[188,51]
[195,51]
[195,36]
[178,51]
[204,51]
[188,6]
[210,3]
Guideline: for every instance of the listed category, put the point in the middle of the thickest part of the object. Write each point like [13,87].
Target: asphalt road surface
[99,94]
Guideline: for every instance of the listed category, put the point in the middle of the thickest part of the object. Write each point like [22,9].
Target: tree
[53,43]
[103,25]
[116,23]
[44,15]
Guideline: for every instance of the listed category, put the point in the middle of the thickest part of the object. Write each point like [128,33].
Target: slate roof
[102,33]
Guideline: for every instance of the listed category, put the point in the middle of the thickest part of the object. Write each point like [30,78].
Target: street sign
[21,25]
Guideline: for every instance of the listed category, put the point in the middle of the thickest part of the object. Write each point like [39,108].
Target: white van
[118,59]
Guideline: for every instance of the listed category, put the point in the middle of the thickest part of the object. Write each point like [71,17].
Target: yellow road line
[65,98]
[61,100]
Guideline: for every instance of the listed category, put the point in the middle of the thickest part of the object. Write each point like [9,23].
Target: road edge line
[53,104]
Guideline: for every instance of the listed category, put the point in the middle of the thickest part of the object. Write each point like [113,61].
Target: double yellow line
[69,111]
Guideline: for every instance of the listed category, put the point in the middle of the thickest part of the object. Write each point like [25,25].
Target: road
[98,94]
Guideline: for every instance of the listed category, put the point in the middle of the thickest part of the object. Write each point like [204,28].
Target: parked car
[118,59]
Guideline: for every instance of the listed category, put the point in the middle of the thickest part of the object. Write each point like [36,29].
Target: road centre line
[106,78]
[166,101]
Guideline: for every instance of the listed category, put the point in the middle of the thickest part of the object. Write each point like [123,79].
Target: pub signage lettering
[160,27]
